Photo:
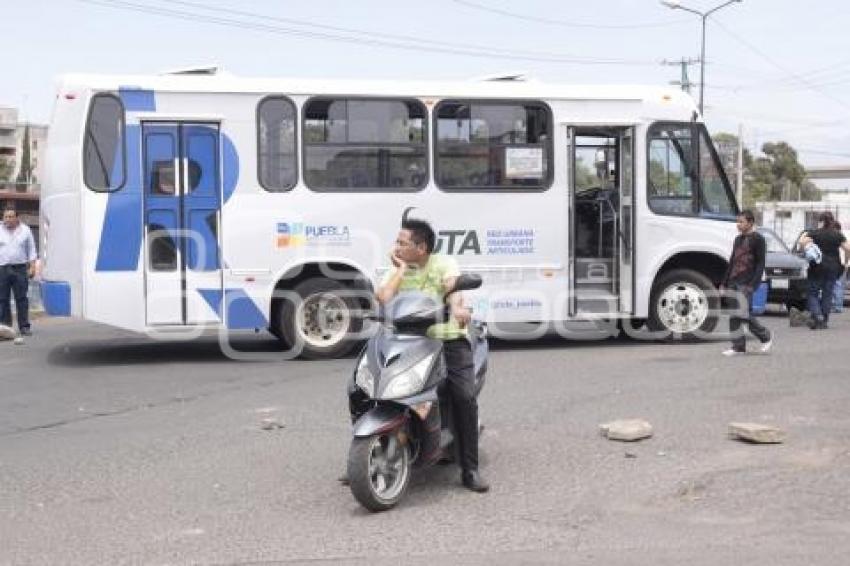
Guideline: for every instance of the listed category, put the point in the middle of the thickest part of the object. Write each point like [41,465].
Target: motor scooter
[401,419]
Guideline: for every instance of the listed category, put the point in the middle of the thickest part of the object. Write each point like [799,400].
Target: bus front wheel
[318,319]
[683,304]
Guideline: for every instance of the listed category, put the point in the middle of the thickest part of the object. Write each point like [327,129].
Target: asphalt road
[115,449]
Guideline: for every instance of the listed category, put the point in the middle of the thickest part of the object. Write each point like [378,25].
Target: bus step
[597,269]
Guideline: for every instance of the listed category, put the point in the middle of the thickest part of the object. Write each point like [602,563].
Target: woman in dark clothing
[822,276]
[840,283]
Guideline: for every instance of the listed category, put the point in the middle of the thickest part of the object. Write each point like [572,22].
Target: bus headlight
[364,378]
[409,382]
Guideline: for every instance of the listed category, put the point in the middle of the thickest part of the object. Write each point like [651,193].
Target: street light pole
[675,5]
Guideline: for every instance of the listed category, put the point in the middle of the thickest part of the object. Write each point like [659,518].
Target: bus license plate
[780,283]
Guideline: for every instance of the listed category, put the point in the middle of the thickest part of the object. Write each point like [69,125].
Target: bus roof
[531,89]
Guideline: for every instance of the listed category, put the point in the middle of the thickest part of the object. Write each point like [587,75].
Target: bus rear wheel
[318,319]
[683,304]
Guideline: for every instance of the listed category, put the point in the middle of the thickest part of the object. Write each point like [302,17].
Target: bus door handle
[617,232]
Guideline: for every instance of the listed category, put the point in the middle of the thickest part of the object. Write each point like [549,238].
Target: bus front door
[182,203]
[601,201]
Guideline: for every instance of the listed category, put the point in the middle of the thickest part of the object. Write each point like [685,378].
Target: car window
[795,248]
[774,244]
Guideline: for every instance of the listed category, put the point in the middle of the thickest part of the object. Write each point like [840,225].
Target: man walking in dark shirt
[746,268]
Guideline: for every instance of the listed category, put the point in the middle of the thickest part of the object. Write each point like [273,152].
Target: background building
[789,218]
[22,150]
[8,142]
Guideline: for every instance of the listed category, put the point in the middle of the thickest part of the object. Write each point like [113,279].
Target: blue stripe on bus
[121,235]
[242,312]
[136,99]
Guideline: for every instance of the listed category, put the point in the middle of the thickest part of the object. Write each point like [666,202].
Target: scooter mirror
[467,282]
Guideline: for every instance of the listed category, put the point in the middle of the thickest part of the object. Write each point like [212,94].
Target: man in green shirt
[417,269]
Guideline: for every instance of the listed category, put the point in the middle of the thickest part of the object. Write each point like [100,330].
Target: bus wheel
[321,319]
[683,304]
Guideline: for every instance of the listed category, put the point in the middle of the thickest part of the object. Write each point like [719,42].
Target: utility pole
[685,82]
[676,5]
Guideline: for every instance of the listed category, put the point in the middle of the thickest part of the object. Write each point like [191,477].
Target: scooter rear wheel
[378,471]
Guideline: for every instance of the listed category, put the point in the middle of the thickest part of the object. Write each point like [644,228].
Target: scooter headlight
[364,378]
[409,381]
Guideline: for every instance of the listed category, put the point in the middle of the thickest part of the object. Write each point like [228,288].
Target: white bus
[188,201]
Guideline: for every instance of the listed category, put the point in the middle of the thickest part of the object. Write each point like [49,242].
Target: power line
[737,68]
[785,84]
[554,22]
[778,119]
[770,60]
[368,38]
[824,72]
[827,73]
[308,24]
[786,131]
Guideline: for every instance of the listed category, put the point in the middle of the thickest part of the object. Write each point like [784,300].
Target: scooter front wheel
[378,470]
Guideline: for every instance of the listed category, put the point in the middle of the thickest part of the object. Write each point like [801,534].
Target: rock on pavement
[755,432]
[627,430]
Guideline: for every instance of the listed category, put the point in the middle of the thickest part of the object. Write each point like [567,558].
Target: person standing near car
[17,266]
[743,276]
[822,276]
[841,282]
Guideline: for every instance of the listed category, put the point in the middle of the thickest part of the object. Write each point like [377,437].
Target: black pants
[739,343]
[461,390]
[14,281]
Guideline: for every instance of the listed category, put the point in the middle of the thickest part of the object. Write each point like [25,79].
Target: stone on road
[757,433]
[627,430]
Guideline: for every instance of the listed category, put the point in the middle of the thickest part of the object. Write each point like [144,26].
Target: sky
[779,68]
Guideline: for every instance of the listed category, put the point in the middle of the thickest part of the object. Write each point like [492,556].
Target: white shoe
[765,348]
[733,352]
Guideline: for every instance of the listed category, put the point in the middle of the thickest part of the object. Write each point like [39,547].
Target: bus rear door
[183,275]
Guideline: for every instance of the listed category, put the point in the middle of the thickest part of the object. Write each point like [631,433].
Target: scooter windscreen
[414,309]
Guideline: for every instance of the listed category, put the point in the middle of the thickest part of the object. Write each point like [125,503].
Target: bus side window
[104,149]
[163,178]
[366,145]
[195,173]
[276,144]
[164,181]
[670,182]
[162,249]
[493,145]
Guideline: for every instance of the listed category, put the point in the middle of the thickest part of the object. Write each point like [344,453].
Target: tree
[775,175]
[782,159]
[585,176]
[758,182]
[664,183]
[727,149]
[809,191]
[25,174]
[7,167]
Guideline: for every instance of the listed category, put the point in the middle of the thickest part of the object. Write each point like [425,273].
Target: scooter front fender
[380,419]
